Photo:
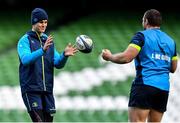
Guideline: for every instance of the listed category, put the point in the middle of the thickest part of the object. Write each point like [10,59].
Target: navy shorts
[40,101]
[148,97]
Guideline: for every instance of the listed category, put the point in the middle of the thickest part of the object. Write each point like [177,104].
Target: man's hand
[70,50]
[106,54]
[48,42]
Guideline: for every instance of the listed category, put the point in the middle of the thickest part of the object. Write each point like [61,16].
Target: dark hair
[154,17]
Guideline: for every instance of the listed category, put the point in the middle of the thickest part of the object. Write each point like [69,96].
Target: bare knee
[155,116]
[137,114]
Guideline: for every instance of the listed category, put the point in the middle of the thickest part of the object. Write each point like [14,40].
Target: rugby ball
[84,43]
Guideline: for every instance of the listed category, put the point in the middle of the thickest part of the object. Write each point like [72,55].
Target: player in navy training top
[38,57]
[154,53]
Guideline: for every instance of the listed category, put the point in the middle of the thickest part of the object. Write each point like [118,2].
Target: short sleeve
[137,41]
[175,54]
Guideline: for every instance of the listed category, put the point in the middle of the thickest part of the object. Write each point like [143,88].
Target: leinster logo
[34,104]
[35,20]
[32,41]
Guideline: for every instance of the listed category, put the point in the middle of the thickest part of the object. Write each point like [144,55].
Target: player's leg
[33,104]
[48,117]
[36,115]
[158,104]
[138,114]
[139,105]
[155,116]
[49,107]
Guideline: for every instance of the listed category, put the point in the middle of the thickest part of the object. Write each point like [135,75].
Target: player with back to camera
[38,57]
[155,57]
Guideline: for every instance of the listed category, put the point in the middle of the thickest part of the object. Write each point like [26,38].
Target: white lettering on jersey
[160,57]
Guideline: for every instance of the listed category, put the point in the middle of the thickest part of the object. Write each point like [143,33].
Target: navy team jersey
[153,63]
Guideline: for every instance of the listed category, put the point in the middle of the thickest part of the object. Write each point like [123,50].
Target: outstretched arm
[61,59]
[129,54]
[120,58]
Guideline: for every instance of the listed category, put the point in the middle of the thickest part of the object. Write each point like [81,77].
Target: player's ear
[146,21]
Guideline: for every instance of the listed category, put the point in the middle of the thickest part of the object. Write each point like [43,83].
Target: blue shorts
[39,101]
[148,97]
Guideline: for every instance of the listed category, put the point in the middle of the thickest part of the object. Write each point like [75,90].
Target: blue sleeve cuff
[64,55]
[43,51]
[60,59]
